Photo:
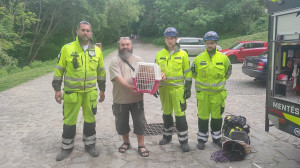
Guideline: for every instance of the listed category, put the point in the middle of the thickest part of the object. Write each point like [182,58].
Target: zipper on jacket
[84,71]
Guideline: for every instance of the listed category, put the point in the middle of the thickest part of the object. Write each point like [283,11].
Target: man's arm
[228,68]
[101,77]
[121,81]
[58,75]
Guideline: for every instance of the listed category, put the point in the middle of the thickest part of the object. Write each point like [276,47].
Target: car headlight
[225,52]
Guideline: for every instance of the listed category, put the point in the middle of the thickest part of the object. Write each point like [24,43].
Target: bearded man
[125,98]
[80,66]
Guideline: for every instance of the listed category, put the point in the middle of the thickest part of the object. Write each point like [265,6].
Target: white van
[193,45]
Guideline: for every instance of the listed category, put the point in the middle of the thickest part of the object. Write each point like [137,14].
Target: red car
[239,50]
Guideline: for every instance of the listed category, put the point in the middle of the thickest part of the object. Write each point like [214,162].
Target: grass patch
[226,43]
[15,76]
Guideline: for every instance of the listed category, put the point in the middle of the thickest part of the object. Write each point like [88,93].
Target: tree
[15,23]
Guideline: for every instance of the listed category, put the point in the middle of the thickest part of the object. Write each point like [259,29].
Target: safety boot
[218,142]
[63,154]
[164,141]
[200,145]
[91,150]
[185,147]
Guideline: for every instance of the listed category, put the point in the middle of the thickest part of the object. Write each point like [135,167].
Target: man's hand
[187,94]
[133,89]
[58,96]
[102,96]
[163,76]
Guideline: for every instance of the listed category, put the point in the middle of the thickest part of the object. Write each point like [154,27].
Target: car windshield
[236,45]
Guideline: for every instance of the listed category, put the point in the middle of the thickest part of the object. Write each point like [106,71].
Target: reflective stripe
[169,129]
[91,85]
[80,79]
[91,78]
[89,142]
[60,78]
[187,70]
[202,136]
[79,87]
[218,84]
[101,78]
[183,132]
[207,90]
[100,69]
[188,79]
[90,137]
[67,141]
[175,78]
[171,84]
[167,133]
[212,85]
[216,135]
[71,86]
[204,84]
[64,146]
[60,68]
[182,138]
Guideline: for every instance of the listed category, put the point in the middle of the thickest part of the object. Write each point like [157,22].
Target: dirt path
[31,128]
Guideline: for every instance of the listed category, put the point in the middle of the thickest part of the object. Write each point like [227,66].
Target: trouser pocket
[70,97]
[93,99]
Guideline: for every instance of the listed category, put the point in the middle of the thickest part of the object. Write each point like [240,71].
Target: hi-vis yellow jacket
[176,67]
[81,69]
[211,73]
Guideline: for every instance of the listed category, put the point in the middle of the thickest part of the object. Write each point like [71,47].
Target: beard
[84,38]
[125,53]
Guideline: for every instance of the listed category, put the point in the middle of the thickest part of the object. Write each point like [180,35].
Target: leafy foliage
[33,30]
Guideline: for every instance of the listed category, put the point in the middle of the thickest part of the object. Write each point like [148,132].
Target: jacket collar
[177,49]
[90,47]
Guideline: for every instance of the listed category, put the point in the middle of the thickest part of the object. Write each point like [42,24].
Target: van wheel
[232,59]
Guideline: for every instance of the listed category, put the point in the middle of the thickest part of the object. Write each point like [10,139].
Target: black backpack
[236,128]
[234,151]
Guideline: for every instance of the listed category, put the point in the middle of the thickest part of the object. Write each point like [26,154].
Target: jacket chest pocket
[177,64]
[219,71]
[162,63]
[202,70]
[93,64]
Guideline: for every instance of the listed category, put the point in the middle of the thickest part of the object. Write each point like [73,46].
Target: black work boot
[185,147]
[218,142]
[165,140]
[91,150]
[200,145]
[63,154]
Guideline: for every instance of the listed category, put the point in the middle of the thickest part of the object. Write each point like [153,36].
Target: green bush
[26,68]
[37,64]
[13,69]
[3,72]
[159,41]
